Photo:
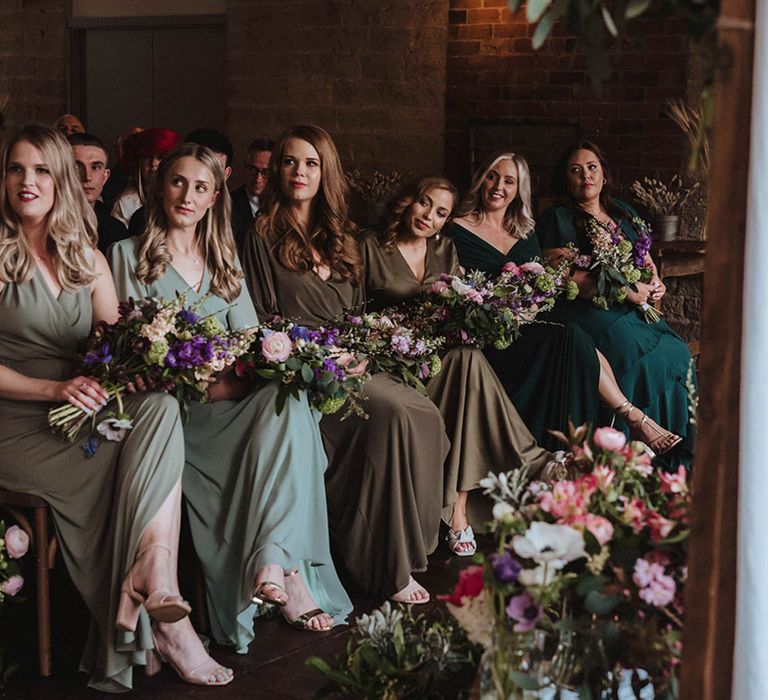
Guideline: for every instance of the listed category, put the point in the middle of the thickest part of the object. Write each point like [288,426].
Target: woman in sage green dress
[553,372]
[650,360]
[484,428]
[253,480]
[385,474]
[116,511]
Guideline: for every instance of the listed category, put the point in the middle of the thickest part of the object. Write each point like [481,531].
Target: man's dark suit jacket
[110,229]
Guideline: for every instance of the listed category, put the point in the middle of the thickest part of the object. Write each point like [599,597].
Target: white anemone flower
[114,429]
[554,544]
[542,575]
[460,287]
[503,512]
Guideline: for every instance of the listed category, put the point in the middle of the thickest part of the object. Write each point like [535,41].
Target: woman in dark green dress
[553,372]
[253,480]
[385,475]
[650,361]
[117,510]
[485,430]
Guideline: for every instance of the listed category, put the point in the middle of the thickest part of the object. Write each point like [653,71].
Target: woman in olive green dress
[553,372]
[484,428]
[385,474]
[116,510]
[650,360]
[253,480]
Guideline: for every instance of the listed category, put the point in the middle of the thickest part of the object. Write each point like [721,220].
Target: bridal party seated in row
[270,494]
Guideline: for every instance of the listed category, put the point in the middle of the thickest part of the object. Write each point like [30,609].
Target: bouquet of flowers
[618,263]
[395,343]
[300,359]
[587,578]
[532,287]
[169,346]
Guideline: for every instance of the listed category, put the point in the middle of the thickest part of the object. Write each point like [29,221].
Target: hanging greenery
[595,21]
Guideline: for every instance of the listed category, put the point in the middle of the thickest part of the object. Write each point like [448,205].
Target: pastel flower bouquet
[300,359]
[169,346]
[585,588]
[14,543]
[394,342]
[617,264]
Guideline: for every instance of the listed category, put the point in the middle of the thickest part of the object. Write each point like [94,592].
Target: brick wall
[371,72]
[541,100]
[33,60]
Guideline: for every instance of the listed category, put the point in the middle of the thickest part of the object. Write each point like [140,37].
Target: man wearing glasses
[245,199]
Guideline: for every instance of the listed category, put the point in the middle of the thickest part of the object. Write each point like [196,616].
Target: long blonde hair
[213,231]
[71,224]
[332,235]
[518,218]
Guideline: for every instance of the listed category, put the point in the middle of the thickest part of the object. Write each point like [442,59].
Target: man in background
[69,124]
[92,160]
[245,199]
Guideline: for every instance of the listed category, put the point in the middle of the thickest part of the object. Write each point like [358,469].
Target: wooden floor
[273,668]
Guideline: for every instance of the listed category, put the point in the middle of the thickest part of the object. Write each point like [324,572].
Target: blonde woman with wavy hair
[116,505]
[303,262]
[253,480]
[507,177]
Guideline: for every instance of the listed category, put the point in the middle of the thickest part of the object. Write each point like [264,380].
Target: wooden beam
[711,588]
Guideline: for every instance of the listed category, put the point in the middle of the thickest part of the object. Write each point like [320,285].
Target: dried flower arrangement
[661,198]
[377,186]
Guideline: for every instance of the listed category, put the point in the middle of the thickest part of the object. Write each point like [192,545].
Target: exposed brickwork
[33,60]
[371,73]
[545,98]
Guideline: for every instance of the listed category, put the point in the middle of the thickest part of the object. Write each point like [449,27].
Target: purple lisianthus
[525,610]
[640,249]
[330,366]
[188,354]
[102,354]
[187,316]
[506,567]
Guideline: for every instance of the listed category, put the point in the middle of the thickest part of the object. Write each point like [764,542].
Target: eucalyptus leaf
[306,373]
[601,603]
[535,8]
[635,8]
[543,28]
[610,25]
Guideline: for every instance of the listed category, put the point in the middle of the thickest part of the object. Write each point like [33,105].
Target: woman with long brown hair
[116,510]
[253,480]
[402,262]
[385,474]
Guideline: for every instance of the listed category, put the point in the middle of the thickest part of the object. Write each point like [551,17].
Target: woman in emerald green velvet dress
[253,480]
[401,263]
[650,361]
[116,509]
[553,372]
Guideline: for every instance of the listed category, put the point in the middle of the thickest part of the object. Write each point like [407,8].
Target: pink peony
[511,267]
[470,585]
[276,347]
[609,439]
[16,542]
[533,267]
[12,586]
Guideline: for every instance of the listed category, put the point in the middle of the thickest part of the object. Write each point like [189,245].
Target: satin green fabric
[385,474]
[551,372]
[650,360]
[485,431]
[253,480]
[101,505]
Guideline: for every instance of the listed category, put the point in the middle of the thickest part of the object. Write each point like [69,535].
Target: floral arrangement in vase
[584,590]
[661,198]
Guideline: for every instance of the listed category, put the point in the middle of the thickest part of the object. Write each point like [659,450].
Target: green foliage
[393,654]
[597,21]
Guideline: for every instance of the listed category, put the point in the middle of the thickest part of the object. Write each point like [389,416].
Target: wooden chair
[44,548]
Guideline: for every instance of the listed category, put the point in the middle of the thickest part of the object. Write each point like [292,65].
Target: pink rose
[609,439]
[600,527]
[12,586]
[533,267]
[510,267]
[16,542]
[276,347]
